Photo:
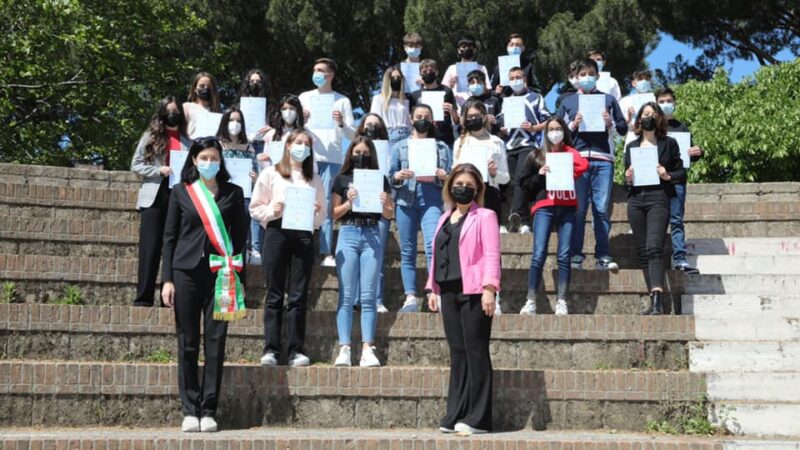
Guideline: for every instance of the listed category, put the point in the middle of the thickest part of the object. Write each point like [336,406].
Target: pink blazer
[479,251]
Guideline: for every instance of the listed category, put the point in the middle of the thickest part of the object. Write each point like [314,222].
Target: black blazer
[186,243]
[669,156]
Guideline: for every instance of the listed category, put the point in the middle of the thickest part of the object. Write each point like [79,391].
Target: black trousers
[493,200]
[151,236]
[516,162]
[194,296]
[648,215]
[467,328]
[286,252]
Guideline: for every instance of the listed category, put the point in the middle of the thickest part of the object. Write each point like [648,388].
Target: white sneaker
[466,429]
[329,261]
[446,430]
[529,308]
[368,358]
[381,309]
[503,229]
[255,257]
[524,229]
[410,305]
[607,263]
[561,307]
[297,359]
[191,424]
[344,357]
[269,359]
[208,425]
[498,310]
[576,263]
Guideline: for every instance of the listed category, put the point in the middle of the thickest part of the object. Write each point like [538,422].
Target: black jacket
[669,156]
[186,243]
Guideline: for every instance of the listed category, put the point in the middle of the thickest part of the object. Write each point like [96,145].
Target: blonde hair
[386,87]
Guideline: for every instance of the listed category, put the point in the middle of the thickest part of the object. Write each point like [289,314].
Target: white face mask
[555,137]
[234,128]
[289,116]
[517,85]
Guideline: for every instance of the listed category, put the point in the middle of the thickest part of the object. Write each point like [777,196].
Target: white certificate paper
[638,100]
[207,124]
[321,112]
[434,99]
[177,158]
[504,64]
[411,75]
[298,209]
[240,168]
[384,158]
[592,107]
[684,142]
[276,151]
[422,157]
[560,177]
[478,156]
[604,82]
[514,112]
[462,70]
[644,161]
[369,185]
[254,110]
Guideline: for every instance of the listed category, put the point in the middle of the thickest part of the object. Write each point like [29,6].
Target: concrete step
[748,264]
[30,331]
[762,386]
[726,284]
[744,317]
[760,419]
[745,246]
[743,356]
[348,438]
[102,394]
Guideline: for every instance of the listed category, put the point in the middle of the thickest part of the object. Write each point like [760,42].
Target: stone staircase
[71,376]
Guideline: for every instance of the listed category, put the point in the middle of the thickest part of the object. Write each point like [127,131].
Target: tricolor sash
[228,292]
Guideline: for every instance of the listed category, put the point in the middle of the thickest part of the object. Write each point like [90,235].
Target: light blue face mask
[319,79]
[208,169]
[299,152]
[476,89]
[587,83]
[668,108]
[643,86]
[517,85]
[413,52]
[600,65]
[514,50]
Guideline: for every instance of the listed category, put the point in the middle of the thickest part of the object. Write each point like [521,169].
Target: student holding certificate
[204,238]
[357,249]
[287,253]
[429,72]
[419,199]
[392,106]
[455,77]
[291,118]
[515,45]
[648,206]
[202,98]
[151,161]
[551,208]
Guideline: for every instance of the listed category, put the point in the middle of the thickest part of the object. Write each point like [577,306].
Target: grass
[72,296]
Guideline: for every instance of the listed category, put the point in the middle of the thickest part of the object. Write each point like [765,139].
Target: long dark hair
[347,166]
[247,91]
[284,166]
[382,133]
[189,174]
[223,132]
[299,122]
[433,132]
[661,121]
[192,95]
[158,140]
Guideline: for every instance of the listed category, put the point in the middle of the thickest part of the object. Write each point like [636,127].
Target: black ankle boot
[656,308]
[646,310]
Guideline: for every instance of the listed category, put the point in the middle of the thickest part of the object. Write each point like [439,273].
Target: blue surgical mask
[476,89]
[517,85]
[514,50]
[600,65]
[299,152]
[668,108]
[643,86]
[208,169]
[319,79]
[413,52]
[587,83]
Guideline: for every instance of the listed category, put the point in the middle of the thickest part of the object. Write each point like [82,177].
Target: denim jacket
[406,190]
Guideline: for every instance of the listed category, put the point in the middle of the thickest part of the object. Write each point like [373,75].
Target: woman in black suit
[206,230]
[648,205]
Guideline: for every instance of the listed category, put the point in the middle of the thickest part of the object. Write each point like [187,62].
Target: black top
[669,156]
[444,127]
[494,106]
[447,264]
[186,243]
[530,77]
[342,183]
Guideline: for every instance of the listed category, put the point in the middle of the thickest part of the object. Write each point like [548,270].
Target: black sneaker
[514,222]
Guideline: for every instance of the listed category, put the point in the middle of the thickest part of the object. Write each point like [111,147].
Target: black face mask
[396,82]
[204,94]
[463,195]
[474,124]
[361,161]
[254,89]
[428,77]
[371,132]
[172,119]
[466,53]
[422,125]
[648,123]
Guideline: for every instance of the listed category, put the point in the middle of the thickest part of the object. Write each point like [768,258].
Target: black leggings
[648,215]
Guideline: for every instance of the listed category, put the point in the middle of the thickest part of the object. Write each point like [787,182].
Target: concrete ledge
[738,356]
[753,246]
[744,317]
[779,387]
[759,419]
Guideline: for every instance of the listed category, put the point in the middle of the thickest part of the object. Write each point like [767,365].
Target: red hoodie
[535,184]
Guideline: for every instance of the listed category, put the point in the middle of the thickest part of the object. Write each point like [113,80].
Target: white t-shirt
[452,74]
[194,110]
[396,115]
[498,155]
[331,150]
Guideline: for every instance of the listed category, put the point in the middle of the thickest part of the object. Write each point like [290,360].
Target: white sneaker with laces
[529,308]
[368,358]
[410,305]
[208,425]
[297,359]
[466,429]
[329,261]
[607,263]
[561,307]
[343,360]
[524,229]
[381,309]
[576,263]
[269,359]
[191,424]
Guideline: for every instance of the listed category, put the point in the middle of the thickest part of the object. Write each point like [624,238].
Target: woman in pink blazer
[463,281]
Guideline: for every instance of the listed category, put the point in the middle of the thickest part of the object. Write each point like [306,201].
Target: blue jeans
[410,219]
[357,270]
[256,235]
[383,226]
[677,207]
[563,217]
[327,173]
[595,186]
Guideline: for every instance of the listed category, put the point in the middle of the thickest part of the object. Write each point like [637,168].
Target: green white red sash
[228,292]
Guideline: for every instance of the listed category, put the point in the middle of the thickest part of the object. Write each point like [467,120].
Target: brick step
[30,331]
[357,439]
[89,394]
